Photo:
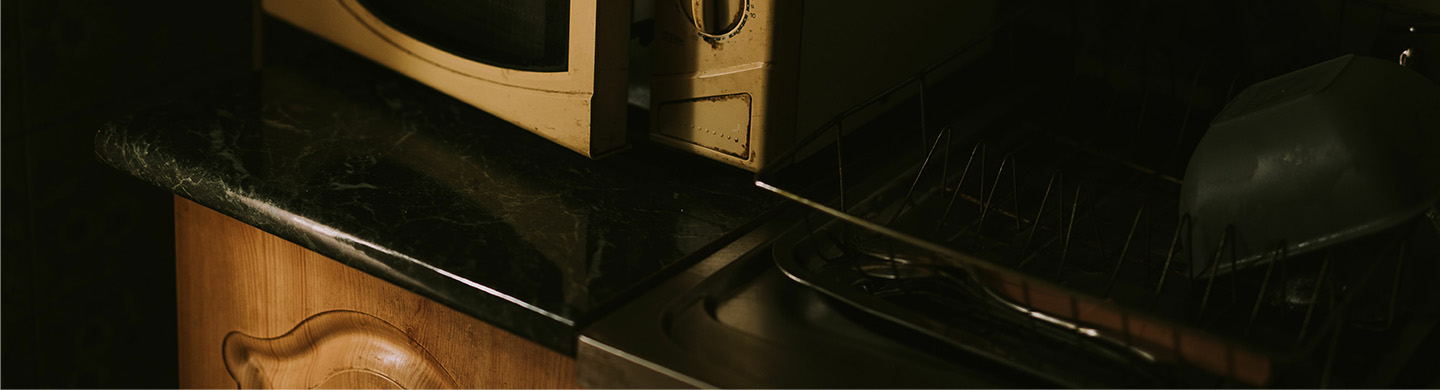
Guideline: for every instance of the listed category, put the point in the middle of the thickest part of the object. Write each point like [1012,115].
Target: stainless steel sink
[735,320]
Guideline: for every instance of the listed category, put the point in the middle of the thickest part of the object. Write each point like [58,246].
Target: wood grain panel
[233,277]
[335,349]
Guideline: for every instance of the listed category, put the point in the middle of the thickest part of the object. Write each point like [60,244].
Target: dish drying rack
[1029,215]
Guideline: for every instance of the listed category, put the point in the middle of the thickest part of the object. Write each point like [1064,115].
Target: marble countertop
[335,153]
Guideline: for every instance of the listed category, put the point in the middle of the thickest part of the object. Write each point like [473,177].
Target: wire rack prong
[956,192]
[1124,249]
[1227,238]
[1314,298]
[1069,230]
[1280,253]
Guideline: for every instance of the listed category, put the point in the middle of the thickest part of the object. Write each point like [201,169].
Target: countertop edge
[119,150]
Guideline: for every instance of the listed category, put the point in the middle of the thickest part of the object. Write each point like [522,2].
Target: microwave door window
[531,35]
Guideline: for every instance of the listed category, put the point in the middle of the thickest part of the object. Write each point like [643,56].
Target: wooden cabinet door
[258,311]
[338,349]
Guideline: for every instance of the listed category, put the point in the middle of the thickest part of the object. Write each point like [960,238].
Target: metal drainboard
[1052,218]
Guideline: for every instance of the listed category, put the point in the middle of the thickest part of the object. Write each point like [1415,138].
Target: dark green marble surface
[347,158]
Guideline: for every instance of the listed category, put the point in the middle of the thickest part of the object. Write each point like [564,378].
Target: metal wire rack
[1043,202]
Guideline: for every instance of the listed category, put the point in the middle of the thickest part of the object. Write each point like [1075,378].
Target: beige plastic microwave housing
[738,81]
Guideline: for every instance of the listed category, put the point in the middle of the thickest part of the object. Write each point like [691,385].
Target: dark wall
[88,253]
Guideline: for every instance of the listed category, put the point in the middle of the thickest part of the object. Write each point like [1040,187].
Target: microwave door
[557,68]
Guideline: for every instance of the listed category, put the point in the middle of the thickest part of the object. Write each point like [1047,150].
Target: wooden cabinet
[258,311]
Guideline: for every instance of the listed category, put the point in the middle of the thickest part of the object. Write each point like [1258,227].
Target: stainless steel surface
[1017,223]
[1053,197]
[734,320]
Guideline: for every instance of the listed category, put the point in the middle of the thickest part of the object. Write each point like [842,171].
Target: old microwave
[738,81]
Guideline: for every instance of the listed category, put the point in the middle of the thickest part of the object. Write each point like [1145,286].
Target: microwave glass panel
[531,35]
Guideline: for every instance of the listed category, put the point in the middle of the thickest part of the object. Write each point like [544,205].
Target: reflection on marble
[384,174]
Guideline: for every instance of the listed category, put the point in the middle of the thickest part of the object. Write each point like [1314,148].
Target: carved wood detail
[334,349]
[232,277]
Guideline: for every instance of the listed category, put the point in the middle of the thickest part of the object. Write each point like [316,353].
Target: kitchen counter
[351,160]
